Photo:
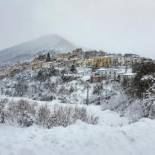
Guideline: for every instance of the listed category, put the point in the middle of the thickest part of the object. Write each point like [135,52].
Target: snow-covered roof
[108,69]
[125,71]
[129,74]
[102,69]
[85,78]
[73,75]
[146,77]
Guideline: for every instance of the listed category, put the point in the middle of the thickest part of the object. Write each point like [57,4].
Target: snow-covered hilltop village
[34,78]
[77,77]
[78,102]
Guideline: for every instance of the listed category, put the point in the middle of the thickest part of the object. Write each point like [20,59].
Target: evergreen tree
[48,58]
[140,85]
[73,69]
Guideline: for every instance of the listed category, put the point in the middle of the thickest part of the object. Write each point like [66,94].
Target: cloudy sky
[111,25]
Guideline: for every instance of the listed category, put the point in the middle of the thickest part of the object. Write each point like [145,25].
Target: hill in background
[27,50]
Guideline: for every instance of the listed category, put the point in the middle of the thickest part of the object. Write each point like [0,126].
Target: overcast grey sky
[111,25]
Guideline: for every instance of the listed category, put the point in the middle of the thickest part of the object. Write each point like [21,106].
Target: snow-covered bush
[25,119]
[81,114]
[134,111]
[60,116]
[20,88]
[2,110]
[25,113]
[2,113]
[46,73]
[97,88]
[21,112]
[64,116]
[64,90]
[43,115]
[152,111]
[26,84]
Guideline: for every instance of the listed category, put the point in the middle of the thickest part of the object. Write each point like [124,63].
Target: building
[119,74]
[99,61]
[108,73]
[77,53]
[36,64]
[117,60]
[47,64]
[95,77]
[130,59]
[126,77]
[146,60]
[63,56]
[93,53]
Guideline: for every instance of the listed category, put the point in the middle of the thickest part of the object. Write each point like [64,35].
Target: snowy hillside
[28,49]
[112,135]
[55,87]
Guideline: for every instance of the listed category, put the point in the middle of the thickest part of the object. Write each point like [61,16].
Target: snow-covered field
[113,135]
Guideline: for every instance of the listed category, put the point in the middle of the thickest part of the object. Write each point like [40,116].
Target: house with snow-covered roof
[108,73]
[116,73]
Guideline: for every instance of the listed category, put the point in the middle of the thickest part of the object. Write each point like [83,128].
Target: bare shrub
[4,100]
[65,116]
[25,119]
[97,88]
[21,112]
[3,103]
[63,90]
[43,115]
[92,119]
[80,113]
[2,113]
[25,114]
[21,87]
[21,106]
[59,116]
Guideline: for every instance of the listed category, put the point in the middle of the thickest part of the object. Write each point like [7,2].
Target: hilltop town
[84,77]
[96,65]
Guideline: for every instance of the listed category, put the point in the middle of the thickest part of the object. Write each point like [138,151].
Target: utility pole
[107,82]
[99,94]
[87,99]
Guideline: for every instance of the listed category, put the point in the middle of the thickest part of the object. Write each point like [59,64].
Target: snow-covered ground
[113,135]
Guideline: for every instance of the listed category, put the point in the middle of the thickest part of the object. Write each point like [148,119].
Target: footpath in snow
[112,136]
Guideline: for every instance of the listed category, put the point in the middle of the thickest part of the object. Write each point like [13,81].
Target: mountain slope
[28,49]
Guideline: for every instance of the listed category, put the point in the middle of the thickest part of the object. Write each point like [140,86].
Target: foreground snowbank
[112,136]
